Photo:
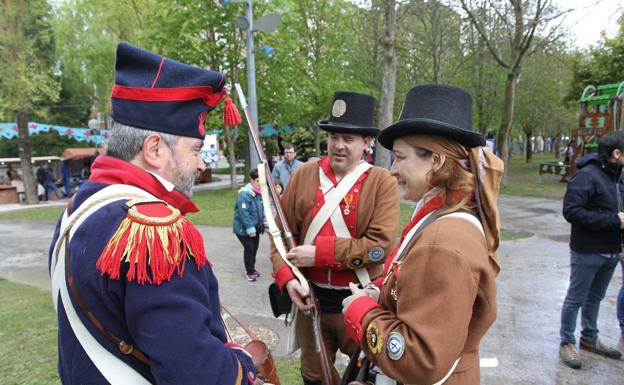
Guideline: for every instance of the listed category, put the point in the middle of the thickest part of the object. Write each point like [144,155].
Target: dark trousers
[620,303]
[335,337]
[589,278]
[250,246]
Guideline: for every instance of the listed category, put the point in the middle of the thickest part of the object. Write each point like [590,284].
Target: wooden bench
[555,168]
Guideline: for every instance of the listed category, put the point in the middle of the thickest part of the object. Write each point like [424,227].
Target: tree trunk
[507,119]
[436,40]
[388,85]
[229,139]
[317,140]
[556,146]
[25,159]
[528,151]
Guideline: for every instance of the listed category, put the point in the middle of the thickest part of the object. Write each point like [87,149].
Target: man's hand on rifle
[299,295]
[302,256]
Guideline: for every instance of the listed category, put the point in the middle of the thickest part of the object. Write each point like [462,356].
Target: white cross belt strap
[406,241]
[332,199]
[112,368]
[331,210]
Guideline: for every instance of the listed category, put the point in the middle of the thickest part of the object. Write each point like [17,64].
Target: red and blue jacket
[169,308]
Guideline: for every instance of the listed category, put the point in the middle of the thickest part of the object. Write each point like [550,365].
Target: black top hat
[435,109]
[159,94]
[351,113]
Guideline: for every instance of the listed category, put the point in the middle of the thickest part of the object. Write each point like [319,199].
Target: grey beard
[186,186]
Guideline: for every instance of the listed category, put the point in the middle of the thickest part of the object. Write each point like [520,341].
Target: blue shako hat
[435,109]
[159,94]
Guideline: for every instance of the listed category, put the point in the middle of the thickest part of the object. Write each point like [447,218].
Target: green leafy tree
[603,65]
[26,73]
[525,19]
[88,32]
[541,107]
[315,46]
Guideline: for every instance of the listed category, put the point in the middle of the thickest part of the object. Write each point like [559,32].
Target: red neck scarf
[109,170]
[429,206]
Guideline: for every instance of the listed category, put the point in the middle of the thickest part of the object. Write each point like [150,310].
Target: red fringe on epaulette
[153,252]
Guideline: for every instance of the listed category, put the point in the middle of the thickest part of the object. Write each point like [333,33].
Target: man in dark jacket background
[593,206]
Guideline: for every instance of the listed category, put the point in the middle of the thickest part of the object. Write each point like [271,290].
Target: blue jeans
[589,278]
[620,303]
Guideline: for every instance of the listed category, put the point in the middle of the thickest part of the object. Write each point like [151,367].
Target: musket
[328,373]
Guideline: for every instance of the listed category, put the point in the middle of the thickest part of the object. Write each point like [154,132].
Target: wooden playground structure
[601,111]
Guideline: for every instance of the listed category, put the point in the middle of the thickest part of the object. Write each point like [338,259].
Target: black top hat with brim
[351,113]
[435,109]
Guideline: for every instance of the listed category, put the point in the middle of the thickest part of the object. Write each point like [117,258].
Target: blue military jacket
[176,323]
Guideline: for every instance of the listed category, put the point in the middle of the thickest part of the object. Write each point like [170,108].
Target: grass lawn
[36,213]
[28,334]
[524,179]
[216,209]
[28,351]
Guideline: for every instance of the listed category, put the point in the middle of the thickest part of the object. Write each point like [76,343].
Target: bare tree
[389,72]
[438,40]
[522,20]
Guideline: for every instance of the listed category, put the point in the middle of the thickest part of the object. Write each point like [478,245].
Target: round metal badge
[354,262]
[395,345]
[339,108]
[376,253]
[373,338]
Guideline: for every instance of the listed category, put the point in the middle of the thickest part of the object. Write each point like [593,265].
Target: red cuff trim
[283,275]
[174,94]
[355,314]
[324,257]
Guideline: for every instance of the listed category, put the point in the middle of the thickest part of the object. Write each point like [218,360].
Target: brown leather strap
[247,330]
[123,346]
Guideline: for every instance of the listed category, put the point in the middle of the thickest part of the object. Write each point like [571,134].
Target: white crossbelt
[331,210]
[110,366]
[408,237]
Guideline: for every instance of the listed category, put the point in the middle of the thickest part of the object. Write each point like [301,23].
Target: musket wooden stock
[328,373]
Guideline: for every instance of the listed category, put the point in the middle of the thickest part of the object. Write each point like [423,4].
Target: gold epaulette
[155,239]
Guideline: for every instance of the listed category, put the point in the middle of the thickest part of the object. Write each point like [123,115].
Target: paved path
[531,288]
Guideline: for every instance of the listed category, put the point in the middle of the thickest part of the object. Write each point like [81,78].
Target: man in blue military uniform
[136,295]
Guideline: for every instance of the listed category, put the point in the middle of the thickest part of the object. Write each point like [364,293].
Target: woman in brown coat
[421,323]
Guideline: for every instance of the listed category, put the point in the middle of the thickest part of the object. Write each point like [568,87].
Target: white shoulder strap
[459,214]
[469,217]
[332,200]
[410,235]
[331,207]
[112,368]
